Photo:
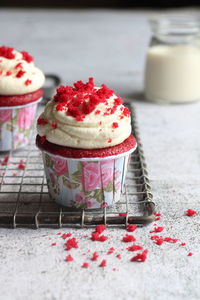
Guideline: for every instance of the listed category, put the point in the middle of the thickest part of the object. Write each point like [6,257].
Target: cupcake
[85,137]
[20,92]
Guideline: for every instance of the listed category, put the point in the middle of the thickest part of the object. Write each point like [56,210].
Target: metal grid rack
[24,199]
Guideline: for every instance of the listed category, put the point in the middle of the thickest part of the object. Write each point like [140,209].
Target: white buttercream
[11,85]
[96,131]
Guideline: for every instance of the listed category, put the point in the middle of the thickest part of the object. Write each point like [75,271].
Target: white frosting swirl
[12,85]
[95,131]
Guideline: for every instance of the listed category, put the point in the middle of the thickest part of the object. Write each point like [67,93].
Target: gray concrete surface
[110,45]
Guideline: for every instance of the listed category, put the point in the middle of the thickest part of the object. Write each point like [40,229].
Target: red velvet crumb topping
[8,73]
[140,257]
[83,98]
[128,238]
[103,263]
[95,256]
[7,52]
[20,73]
[41,121]
[131,227]
[191,212]
[28,82]
[85,265]
[26,56]
[69,258]
[71,243]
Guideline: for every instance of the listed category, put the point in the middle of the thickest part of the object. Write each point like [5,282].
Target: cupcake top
[18,74]
[86,117]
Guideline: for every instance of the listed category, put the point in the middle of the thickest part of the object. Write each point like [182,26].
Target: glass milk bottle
[172,72]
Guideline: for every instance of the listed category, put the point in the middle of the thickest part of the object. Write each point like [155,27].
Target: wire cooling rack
[25,202]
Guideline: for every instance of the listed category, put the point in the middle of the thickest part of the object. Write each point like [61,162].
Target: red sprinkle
[170,240]
[41,121]
[54,125]
[190,254]
[96,237]
[69,258]
[183,244]
[109,140]
[53,244]
[159,241]
[111,250]
[134,248]
[157,219]
[26,56]
[157,214]
[97,112]
[131,227]
[71,243]
[140,257]
[8,73]
[21,165]
[190,212]
[100,228]
[5,160]
[28,82]
[119,256]
[85,265]
[94,256]
[20,73]
[157,229]
[128,238]
[7,52]
[65,235]
[19,65]
[103,263]
[115,125]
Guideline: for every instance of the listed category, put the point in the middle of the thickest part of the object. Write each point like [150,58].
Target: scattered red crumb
[14,174]
[5,160]
[28,82]
[157,214]
[183,244]
[190,254]
[96,237]
[54,125]
[71,243]
[97,112]
[122,215]
[109,140]
[140,257]
[111,250]
[119,256]
[20,73]
[7,52]
[85,265]
[19,65]
[100,228]
[115,125]
[59,233]
[26,56]
[134,248]
[131,227]
[53,244]
[190,212]
[21,165]
[170,240]
[155,237]
[103,263]
[41,121]
[157,219]
[69,258]
[159,241]
[94,256]
[128,238]
[157,229]
[43,139]
[65,235]
[114,269]
[8,73]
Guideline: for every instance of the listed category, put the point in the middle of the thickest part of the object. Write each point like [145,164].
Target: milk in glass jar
[172,72]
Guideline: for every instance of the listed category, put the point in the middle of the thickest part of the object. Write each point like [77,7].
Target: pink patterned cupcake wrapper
[85,183]
[16,123]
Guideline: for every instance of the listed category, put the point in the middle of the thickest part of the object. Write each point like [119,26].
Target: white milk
[173,74]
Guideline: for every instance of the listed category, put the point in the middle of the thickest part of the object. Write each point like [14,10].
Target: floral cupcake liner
[86,183]
[16,123]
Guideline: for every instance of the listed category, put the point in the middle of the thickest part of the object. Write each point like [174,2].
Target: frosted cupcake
[85,136]
[20,92]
